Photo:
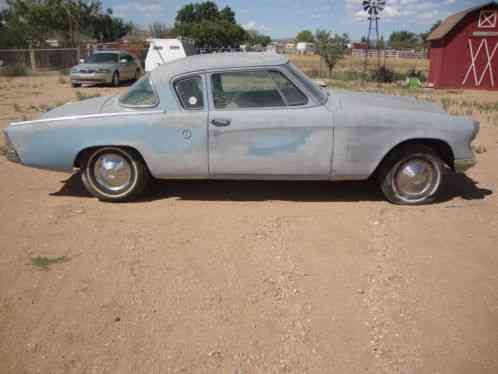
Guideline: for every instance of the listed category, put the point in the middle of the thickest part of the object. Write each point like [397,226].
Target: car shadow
[457,185]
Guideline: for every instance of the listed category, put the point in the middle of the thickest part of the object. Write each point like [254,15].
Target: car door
[181,138]
[261,125]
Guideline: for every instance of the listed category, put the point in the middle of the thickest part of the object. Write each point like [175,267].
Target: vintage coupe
[246,116]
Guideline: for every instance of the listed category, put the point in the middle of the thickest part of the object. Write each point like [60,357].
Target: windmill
[373,9]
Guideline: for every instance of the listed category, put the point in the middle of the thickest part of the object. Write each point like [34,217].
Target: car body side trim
[88,116]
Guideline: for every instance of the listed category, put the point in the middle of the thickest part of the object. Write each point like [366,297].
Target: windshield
[141,94]
[102,58]
[311,86]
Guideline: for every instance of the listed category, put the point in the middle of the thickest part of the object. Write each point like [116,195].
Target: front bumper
[461,166]
[91,78]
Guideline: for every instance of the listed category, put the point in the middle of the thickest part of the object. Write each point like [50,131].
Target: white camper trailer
[162,51]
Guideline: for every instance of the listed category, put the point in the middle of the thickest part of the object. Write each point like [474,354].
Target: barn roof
[449,23]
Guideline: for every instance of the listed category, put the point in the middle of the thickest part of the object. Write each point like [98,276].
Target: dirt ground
[245,277]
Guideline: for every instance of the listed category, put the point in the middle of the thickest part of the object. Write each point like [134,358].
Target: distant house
[290,47]
[305,48]
[464,50]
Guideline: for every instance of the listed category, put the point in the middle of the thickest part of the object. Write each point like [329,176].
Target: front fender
[363,138]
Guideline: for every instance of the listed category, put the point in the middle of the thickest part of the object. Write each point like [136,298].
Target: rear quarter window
[141,94]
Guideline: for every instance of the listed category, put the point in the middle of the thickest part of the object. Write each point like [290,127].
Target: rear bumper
[461,166]
[10,152]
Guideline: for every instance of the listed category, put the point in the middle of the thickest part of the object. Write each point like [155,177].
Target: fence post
[32,59]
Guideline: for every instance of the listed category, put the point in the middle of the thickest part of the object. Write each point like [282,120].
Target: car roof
[215,61]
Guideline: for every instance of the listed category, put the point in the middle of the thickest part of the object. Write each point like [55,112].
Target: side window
[190,93]
[291,93]
[251,89]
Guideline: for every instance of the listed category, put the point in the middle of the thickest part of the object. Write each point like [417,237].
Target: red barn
[464,50]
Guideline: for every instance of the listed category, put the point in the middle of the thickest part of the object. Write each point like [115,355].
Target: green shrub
[45,262]
[446,103]
[420,75]
[385,75]
[18,70]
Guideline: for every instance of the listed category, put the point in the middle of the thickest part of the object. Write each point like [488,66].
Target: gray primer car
[246,116]
[106,67]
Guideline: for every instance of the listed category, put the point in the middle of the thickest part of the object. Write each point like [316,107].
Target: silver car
[111,67]
[246,116]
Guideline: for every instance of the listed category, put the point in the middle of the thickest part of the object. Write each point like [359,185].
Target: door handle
[187,134]
[221,122]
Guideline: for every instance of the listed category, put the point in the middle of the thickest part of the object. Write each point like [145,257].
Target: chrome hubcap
[113,172]
[416,178]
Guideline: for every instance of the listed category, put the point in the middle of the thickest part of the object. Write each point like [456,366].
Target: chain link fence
[43,59]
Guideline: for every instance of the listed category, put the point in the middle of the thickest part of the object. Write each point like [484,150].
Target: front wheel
[114,174]
[412,175]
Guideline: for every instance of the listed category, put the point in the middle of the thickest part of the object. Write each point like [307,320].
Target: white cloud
[151,9]
[253,25]
[415,10]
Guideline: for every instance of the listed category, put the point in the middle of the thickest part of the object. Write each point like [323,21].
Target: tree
[227,14]
[256,38]
[404,40]
[107,28]
[32,22]
[346,38]
[209,26]
[305,36]
[331,48]
[161,31]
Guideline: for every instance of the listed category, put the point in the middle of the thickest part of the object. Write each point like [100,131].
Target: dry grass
[311,64]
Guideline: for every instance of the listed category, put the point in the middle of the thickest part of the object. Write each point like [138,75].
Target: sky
[285,18]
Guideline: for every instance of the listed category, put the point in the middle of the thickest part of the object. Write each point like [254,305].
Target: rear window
[141,94]
[190,92]
[101,58]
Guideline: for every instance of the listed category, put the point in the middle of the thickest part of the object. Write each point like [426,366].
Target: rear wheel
[412,175]
[114,174]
